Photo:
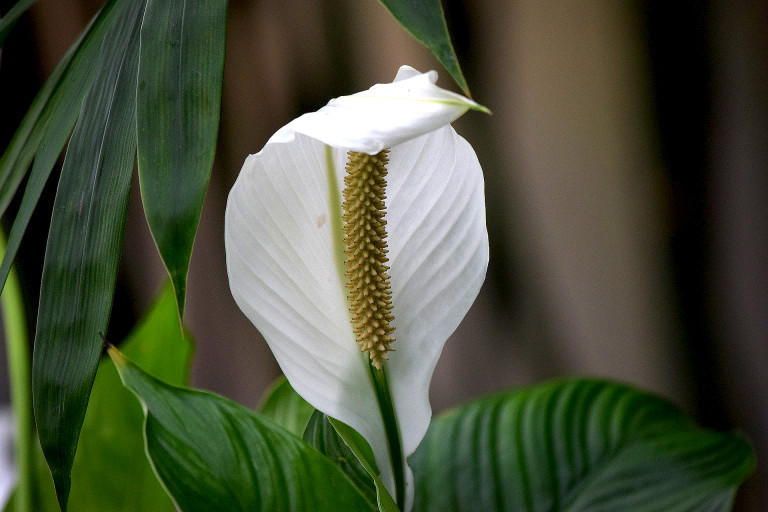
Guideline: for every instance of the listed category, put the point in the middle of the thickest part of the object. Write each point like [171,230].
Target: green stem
[17,345]
[392,430]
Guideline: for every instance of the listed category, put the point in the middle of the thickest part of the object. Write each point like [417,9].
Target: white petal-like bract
[283,255]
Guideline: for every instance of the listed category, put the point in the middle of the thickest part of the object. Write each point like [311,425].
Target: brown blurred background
[626,182]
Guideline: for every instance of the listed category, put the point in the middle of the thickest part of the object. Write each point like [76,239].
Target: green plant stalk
[17,346]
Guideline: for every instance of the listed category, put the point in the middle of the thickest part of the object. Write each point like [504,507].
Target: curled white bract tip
[383,116]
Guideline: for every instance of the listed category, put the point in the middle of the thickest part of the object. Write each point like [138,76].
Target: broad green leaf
[9,18]
[83,247]
[177,111]
[111,440]
[282,405]
[323,437]
[111,471]
[576,445]
[424,20]
[212,454]
[362,450]
[342,444]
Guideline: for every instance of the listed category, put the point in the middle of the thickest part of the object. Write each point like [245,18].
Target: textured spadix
[283,247]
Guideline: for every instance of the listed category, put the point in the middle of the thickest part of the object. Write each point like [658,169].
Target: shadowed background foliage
[626,187]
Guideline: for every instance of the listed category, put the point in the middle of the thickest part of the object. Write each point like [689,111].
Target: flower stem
[17,345]
[392,430]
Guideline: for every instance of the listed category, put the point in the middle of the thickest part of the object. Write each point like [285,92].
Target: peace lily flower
[355,296]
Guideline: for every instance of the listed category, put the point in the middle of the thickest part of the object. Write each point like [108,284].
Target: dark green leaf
[9,19]
[576,445]
[285,407]
[212,454]
[55,108]
[337,441]
[47,126]
[324,438]
[424,19]
[362,450]
[180,75]
[111,471]
[84,247]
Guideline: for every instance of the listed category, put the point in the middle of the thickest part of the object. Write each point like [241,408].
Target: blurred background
[626,180]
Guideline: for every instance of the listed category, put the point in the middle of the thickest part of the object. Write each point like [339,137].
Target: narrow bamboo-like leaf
[9,18]
[49,149]
[55,108]
[180,75]
[425,20]
[111,471]
[84,247]
[284,406]
[47,126]
[212,454]
[576,445]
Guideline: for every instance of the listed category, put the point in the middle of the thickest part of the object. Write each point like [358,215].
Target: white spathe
[282,258]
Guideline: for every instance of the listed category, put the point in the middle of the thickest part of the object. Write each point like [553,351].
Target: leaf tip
[62,494]
[117,357]
[179,283]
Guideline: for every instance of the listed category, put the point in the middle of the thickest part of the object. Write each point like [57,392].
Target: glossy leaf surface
[362,450]
[212,454]
[283,406]
[177,111]
[323,437]
[425,21]
[83,248]
[576,445]
[337,441]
